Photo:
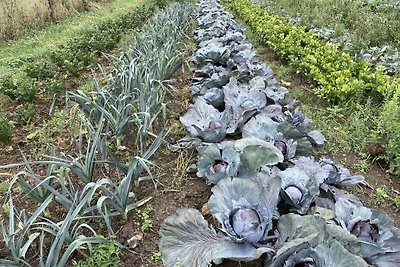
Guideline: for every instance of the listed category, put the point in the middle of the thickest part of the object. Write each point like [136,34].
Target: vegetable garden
[194,154]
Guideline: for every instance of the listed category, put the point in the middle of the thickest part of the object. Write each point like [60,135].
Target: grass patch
[39,42]
[17,16]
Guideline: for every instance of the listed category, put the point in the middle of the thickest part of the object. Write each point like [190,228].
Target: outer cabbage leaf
[249,70]
[312,168]
[261,127]
[206,122]
[328,254]
[244,102]
[340,176]
[303,147]
[208,77]
[213,52]
[330,194]
[309,241]
[255,153]
[287,139]
[243,56]
[298,120]
[373,228]
[187,240]
[389,259]
[316,138]
[274,112]
[215,98]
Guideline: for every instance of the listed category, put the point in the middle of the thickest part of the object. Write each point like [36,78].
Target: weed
[145,218]
[6,209]
[6,131]
[177,130]
[18,87]
[156,256]
[25,113]
[44,135]
[396,201]
[4,185]
[367,27]
[283,73]
[381,195]
[105,255]
[363,166]
[182,163]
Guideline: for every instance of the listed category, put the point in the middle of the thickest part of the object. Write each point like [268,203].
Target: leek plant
[65,236]
[132,96]
[18,236]
[82,165]
[38,192]
[113,102]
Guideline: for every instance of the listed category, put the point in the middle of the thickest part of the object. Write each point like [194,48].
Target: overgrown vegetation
[17,16]
[367,30]
[371,23]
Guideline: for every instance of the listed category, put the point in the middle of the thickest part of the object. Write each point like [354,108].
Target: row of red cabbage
[270,195]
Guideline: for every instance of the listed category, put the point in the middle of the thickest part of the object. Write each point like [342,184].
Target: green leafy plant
[6,131]
[25,113]
[18,87]
[40,69]
[381,195]
[105,255]
[146,223]
[156,256]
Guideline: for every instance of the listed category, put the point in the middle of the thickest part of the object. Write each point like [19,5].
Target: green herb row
[336,76]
